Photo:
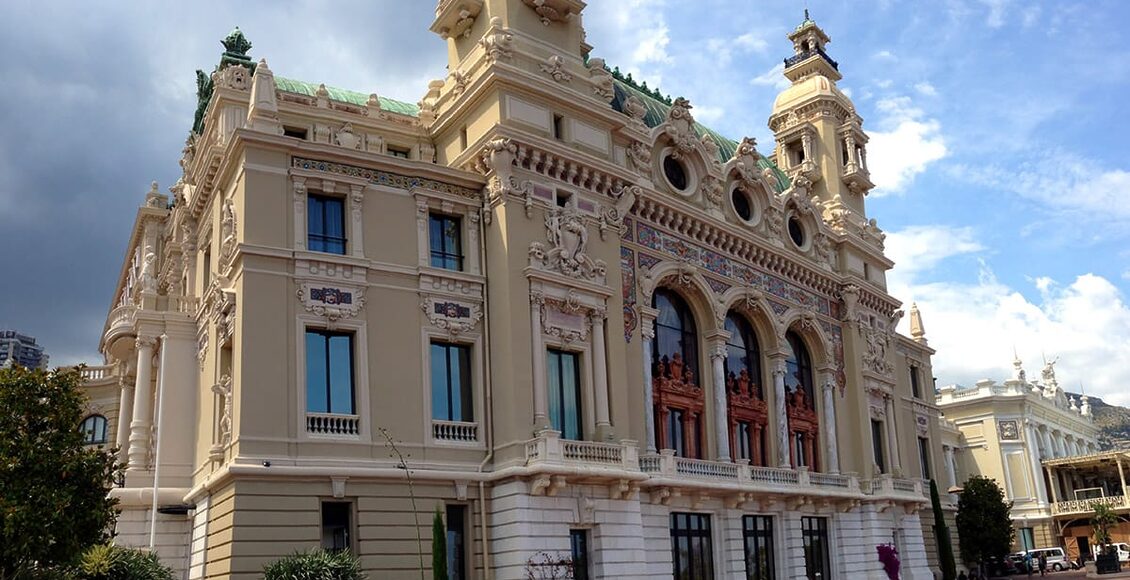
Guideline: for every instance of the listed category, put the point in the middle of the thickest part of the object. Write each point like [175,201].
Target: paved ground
[1051,575]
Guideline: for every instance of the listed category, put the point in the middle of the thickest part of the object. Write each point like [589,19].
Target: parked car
[1122,547]
[1018,560]
[1056,557]
[996,566]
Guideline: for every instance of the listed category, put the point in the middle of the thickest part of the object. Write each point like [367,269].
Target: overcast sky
[997,142]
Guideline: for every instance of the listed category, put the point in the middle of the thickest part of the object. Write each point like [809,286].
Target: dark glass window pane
[336,525]
[924,456]
[317,390]
[758,535]
[877,445]
[325,224]
[451,382]
[675,332]
[329,372]
[456,542]
[579,543]
[798,366]
[445,239]
[814,532]
[565,393]
[692,552]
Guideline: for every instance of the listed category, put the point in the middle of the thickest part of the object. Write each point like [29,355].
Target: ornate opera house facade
[544,300]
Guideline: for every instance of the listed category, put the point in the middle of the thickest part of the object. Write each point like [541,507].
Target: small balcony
[455,432]
[333,425]
[119,324]
[857,177]
[1087,506]
[548,448]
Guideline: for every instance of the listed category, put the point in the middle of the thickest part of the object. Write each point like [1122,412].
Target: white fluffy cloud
[975,326]
[774,77]
[904,144]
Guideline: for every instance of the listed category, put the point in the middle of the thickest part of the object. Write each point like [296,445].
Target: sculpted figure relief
[680,127]
[568,238]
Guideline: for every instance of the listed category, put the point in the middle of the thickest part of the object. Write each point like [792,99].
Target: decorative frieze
[456,317]
[384,178]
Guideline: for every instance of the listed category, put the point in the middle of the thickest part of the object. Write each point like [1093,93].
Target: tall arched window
[798,365]
[93,429]
[743,355]
[676,338]
[679,400]
[747,412]
[803,421]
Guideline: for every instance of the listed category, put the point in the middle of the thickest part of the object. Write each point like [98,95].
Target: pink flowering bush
[889,557]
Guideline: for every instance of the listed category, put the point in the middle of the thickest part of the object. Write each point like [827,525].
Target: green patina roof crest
[346,96]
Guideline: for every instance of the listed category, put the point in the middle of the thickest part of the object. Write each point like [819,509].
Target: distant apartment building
[21,349]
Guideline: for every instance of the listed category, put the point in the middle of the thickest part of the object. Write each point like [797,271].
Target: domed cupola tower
[819,135]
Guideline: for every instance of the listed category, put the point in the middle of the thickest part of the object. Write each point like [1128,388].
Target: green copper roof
[346,96]
[657,114]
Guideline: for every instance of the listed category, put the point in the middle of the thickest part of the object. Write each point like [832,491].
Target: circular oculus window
[796,231]
[676,173]
[742,205]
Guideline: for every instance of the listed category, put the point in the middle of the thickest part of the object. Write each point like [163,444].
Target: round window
[796,231]
[675,172]
[741,204]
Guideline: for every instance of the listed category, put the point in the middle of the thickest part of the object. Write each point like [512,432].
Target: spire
[917,329]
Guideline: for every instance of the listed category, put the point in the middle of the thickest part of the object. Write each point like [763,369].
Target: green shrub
[107,562]
[316,564]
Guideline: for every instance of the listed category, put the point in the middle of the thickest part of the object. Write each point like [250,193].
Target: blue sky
[998,143]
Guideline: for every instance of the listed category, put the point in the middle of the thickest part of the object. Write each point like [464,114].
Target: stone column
[781,413]
[951,467]
[647,333]
[1037,469]
[1046,437]
[721,413]
[600,377]
[356,225]
[142,404]
[892,434]
[1121,475]
[832,452]
[125,416]
[541,396]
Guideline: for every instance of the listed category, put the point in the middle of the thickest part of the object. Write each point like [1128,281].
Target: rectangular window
[579,543]
[758,534]
[401,152]
[325,224]
[877,445]
[463,138]
[924,456]
[445,236]
[1027,539]
[456,542]
[742,439]
[336,525]
[558,122]
[296,132]
[565,393]
[329,372]
[691,550]
[814,531]
[915,387]
[206,275]
[675,438]
[451,382]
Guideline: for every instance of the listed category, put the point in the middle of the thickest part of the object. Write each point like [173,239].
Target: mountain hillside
[1114,421]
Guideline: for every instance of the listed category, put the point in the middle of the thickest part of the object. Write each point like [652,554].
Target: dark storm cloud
[96,101]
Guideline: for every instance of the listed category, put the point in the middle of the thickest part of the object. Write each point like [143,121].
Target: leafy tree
[982,520]
[316,564]
[1101,523]
[53,491]
[942,536]
[439,547]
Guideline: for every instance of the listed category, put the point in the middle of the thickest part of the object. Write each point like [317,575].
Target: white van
[1056,558]
[1122,547]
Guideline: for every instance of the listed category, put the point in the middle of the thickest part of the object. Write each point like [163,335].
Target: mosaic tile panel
[628,279]
[717,286]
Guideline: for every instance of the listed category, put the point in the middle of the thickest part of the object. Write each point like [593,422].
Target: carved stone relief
[554,66]
[334,303]
[497,42]
[453,316]
[567,242]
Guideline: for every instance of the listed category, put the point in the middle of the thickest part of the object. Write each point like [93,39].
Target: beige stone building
[1034,440]
[544,301]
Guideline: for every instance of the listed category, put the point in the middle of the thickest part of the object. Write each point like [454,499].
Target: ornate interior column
[600,377]
[780,412]
[829,427]
[647,333]
[721,413]
[142,404]
[541,397]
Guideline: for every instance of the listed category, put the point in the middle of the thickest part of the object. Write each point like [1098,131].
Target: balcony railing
[1081,506]
[455,431]
[549,448]
[97,373]
[333,425]
[803,56]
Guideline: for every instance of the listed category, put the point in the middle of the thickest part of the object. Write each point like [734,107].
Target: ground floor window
[691,550]
[1027,539]
[456,542]
[337,519]
[814,531]
[758,534]
[579,544]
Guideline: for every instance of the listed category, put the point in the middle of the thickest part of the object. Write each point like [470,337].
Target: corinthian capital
[145,341]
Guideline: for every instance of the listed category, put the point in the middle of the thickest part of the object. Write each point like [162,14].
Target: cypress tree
[942,536]
[439,547]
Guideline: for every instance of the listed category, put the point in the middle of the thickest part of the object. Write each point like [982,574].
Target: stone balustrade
[333,425]
[549,448]
[1084,506]
[455,431]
